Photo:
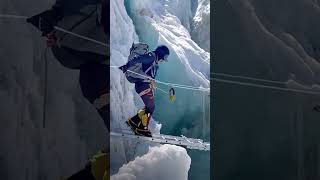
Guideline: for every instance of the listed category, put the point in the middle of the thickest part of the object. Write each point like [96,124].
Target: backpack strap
[152,66]
[149,68]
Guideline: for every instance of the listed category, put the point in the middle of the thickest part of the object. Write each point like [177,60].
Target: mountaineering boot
[139,123]
[144,118]
[133,122]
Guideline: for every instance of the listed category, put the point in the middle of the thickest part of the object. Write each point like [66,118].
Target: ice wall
[121,91]
[200,26]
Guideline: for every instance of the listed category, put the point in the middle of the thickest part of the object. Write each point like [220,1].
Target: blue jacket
[149,63]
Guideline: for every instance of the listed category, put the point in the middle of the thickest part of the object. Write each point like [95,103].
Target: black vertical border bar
[105,21]
[212,59]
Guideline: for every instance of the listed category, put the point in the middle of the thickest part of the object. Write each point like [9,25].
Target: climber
[88,18]
[141,69]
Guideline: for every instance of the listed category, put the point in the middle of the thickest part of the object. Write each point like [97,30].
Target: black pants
[73,59]
[94,77]
[146,94]
[95,86]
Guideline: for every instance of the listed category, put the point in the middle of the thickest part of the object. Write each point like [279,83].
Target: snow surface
[161,162]
[158,22]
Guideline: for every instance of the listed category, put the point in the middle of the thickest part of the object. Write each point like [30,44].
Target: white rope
[12,16]
[162,90]
[58,29]
[266,86]
[249,78]
[80,36]
[170,84]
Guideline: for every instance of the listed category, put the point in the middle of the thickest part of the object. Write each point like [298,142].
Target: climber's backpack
[135,51]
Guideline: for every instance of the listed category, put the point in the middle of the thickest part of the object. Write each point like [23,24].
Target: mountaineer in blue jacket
[141,69]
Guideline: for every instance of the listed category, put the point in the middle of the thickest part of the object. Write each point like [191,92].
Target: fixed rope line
[13,16]
[266,86]
[248,78]
[170,84]
[176,85]
[58,29]
[173,85]
[162,90]
[80,36]
[179,85]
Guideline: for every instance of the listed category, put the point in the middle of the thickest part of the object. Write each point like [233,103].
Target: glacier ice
[200,28]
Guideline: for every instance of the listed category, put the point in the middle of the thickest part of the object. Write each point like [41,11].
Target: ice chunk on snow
[161,162]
